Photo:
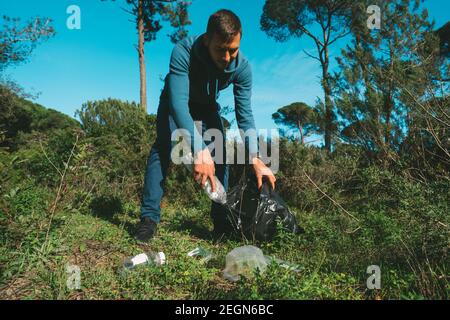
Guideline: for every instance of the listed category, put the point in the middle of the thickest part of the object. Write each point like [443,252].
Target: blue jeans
[159,160]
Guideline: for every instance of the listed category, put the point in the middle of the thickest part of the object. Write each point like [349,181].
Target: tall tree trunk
[300,129]
[142,70]
[328,104]
[376,131]
[389,100]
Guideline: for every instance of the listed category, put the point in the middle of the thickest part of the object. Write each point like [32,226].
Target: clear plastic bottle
[220,195]
[201,252]
[156,258]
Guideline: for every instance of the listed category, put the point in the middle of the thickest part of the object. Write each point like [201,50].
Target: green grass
[98,246]
[332,254]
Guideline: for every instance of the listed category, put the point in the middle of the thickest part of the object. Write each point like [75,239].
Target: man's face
[221,52]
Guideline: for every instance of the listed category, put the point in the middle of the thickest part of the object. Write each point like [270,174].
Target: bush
[127,121]
[355,212]
[19,116]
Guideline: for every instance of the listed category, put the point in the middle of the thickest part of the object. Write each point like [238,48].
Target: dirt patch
[17,288]
[94,254]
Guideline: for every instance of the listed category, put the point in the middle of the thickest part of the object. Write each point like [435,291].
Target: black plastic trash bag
[255,213]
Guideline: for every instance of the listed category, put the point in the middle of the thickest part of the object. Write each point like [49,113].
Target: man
[199,68]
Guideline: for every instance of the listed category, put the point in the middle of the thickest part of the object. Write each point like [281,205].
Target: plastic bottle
[155,258]
[201,252]
[220,195]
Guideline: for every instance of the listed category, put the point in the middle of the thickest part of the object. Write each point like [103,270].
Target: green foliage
[292,18]
[384,78]
[106,206]
[444,36]
[152,12]
[121,134]
[355,213]
[324,22]
[277,283]
[43,157]
[114,117]
[22,216]
[18,41]
[20,117]
[300,116]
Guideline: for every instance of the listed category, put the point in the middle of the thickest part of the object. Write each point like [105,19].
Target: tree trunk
[376,132]
[328,104]
[142,70]
[388,100]
[300,129]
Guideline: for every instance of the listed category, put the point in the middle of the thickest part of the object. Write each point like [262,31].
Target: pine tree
[17,41]
[147,16]
[300,116]
[378,70]
[282,19]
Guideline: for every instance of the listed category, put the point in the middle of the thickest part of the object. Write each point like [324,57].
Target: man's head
[223,37]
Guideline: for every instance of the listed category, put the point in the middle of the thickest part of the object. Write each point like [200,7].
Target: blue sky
[100,61]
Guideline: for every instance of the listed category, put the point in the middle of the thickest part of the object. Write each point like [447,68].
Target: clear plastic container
[244,261]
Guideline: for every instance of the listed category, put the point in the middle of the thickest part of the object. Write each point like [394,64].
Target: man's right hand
[204,168]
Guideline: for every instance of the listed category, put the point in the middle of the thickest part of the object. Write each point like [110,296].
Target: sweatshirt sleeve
[178,91]
[242,101]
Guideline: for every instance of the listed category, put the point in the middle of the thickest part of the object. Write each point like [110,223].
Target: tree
[18,41]
[20,116]
[379,71]
[112,116]
[147,16]
[297,115]
[444,36]
[282,19]
[428,139]
[224,112]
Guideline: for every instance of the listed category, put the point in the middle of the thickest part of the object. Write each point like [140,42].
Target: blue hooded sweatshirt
[193,84]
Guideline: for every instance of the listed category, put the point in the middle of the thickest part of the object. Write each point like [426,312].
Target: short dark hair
[225,24]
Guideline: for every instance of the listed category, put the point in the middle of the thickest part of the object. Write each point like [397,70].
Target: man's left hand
[262,170]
